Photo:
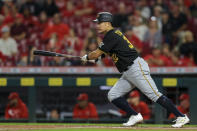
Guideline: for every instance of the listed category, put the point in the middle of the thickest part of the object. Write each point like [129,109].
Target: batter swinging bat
[54,54]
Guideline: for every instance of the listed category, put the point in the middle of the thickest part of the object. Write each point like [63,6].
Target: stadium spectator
[193,8]
[162,4]
[166,50]
[145,11]
[91,46]
[157,12]
[54,43]
[172,58]
[74,44]
[32,5]
[1,4]
[153,35]
[18,29]
[120,18]
[90,38]
[16,108]
[156,58]
[189,47]
[61,4]
[138,105]
[29,20]
[187,61]
[179,22]
[33,60]
[139,29]
[184,105]
[134,39]
[8,46]
[42,22]
[84,109]
[50,8]
[167,28]
[57,27]
[175,60]
[6,12]
[1,22]
[69,10]
[13,11]
[86,8]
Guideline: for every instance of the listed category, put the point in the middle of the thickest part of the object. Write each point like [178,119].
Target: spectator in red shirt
[29,19]
[70,10]
[184,105]
[133,39]
[171,57]
[86,8]
[42,22]
[84,109]
[18,29]
[187,61]
[156,58]
[137,105]
[61,4]
[57,27]
[16,109]
[174,60]
[6,12]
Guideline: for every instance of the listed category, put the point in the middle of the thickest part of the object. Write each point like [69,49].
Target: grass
[88,127]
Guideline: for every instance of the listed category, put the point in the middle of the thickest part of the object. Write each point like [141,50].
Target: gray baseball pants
[138,75]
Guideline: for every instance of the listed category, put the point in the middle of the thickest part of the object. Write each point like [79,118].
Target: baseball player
[135,72]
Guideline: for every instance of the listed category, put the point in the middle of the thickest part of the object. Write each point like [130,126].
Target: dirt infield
[80,127]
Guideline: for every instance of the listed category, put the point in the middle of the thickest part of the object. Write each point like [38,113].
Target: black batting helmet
[103,17]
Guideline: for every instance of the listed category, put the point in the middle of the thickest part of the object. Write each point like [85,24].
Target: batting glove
[84,58]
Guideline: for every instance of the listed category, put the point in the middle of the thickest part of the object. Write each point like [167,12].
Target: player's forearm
[93,55]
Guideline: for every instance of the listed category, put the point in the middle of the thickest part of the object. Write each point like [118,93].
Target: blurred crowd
[163,31]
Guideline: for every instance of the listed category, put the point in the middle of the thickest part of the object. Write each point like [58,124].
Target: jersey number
[125,38]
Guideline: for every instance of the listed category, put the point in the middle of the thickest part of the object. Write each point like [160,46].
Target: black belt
[127,68]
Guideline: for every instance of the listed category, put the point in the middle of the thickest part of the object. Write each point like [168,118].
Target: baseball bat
[54,54]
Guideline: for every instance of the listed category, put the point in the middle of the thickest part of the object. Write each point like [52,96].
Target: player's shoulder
[114,33]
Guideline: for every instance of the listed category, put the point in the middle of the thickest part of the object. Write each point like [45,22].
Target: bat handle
[92,61]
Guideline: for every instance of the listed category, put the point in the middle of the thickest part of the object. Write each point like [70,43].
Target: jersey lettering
[125,38]
[114,57]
